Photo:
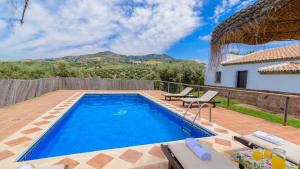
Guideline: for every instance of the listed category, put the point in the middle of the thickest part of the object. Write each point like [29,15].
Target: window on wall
[218,77]
[241,79]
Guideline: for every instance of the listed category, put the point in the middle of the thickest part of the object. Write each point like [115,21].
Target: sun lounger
[181,157]
[183,93]
[208,97]
[292,150]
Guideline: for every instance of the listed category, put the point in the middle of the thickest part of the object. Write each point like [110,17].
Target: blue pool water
[106,121]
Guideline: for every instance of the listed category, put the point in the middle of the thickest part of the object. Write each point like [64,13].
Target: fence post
[159,85]
[228,99]
[168,87]
[286,110]
[199,88]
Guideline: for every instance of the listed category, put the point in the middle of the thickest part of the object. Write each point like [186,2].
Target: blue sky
[54,28]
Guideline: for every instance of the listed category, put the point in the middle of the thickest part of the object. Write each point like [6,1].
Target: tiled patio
[43,111]
[14,117]
[243,124]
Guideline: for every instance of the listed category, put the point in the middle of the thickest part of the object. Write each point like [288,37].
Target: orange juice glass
[267,153]
[257,154]
[278,159]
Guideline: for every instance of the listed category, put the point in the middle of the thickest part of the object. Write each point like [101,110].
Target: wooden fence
[14,91]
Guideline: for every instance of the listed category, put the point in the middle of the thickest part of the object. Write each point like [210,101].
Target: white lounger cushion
[189,100]
[269,137]
[189,161]
[292,150]
[174,94]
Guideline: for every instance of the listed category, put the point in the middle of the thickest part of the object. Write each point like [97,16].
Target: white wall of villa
[255,80]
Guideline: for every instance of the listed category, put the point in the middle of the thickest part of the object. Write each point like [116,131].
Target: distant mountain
[114,57]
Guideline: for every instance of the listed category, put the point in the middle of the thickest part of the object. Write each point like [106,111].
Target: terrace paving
[13,118]
[240,123]
[226,123]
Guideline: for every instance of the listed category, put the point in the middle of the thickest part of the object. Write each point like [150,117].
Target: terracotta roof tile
[276,54]
[281,68]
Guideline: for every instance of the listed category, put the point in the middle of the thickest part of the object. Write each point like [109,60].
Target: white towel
[196,148]
[268,137]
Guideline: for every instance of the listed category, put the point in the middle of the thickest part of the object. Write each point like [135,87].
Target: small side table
[245,160]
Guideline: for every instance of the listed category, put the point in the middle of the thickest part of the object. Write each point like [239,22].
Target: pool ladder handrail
[200,106]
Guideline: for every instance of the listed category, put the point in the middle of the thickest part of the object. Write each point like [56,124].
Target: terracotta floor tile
[131,156]
[206,124]
[32,130]
[55,112]
[219,130]
[156,151]
[41,123]
[59,109]
[49,117]
[5,154]
[69,162]
[17,141]
[223,142]
[99,161]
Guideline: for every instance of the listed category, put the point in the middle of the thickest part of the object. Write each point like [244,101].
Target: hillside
[107,65]
[114,57]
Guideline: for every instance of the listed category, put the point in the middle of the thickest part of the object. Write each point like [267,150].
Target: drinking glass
[257,154]
[267,153]
[278,158]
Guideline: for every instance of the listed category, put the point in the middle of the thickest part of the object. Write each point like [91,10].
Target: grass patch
[234,105]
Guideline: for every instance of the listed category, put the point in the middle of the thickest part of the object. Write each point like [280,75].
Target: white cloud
[205,37]
[56,28]
[245,4]
[227,6]
[223,8]
[2,25]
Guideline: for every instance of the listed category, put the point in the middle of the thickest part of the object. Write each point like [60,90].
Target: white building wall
[255,80]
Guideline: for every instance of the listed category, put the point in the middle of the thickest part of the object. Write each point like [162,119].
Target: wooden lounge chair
[183,93]
[208,97]
[181,157]
[292,150]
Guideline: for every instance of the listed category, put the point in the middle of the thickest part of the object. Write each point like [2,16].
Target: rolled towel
[196,148]
[268,137]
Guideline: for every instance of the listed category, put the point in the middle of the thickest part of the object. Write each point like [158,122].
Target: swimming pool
[107,121]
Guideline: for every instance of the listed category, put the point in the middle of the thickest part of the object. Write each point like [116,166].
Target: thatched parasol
[262,22]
